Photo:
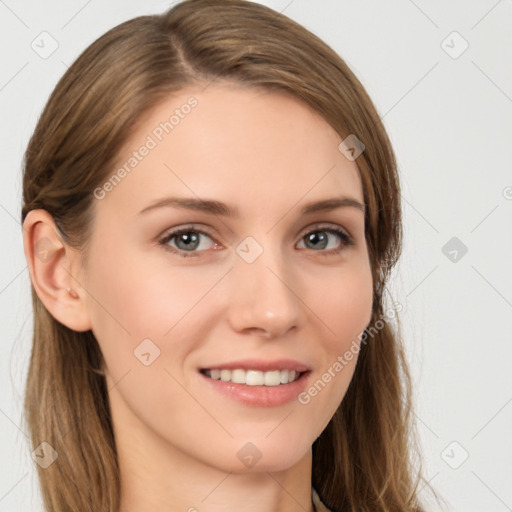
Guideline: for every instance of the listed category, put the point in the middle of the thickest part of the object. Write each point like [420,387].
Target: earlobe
[51,265]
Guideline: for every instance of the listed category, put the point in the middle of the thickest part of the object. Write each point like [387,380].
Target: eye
[187,240]
[319,239]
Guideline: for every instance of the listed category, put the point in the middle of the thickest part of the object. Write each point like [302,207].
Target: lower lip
[260,396]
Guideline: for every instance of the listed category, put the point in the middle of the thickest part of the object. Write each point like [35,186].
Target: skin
[267,154]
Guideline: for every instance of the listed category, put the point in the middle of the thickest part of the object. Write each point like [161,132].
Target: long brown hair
[362,460]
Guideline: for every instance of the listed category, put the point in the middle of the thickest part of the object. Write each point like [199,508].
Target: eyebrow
[218,208]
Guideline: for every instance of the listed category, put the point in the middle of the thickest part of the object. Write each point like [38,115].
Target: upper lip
[261,365]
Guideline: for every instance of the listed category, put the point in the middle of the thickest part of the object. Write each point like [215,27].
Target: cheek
[147,319]
[346,307]
[345,313]
[132,298]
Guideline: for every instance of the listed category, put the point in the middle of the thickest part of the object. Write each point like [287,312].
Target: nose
[263,298]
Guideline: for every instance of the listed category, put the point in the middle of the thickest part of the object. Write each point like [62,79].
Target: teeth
[254,377]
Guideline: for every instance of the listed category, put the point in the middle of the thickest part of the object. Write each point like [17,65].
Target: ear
[54,271]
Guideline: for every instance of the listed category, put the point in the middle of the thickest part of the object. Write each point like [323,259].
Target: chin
[263,455]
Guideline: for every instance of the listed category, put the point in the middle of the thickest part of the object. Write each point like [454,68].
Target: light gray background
[450,121]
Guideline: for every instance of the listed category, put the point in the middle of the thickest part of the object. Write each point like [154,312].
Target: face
[174,289]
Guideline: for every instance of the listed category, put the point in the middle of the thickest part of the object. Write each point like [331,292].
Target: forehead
[246,146]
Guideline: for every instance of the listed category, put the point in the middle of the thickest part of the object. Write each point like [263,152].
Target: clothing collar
[317,503]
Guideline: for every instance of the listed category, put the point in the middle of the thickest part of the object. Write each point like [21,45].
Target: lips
[256,393]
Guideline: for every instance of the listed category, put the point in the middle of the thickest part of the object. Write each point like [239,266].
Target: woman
[211,213]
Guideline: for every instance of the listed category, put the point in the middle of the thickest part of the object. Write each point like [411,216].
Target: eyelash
[346,240]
